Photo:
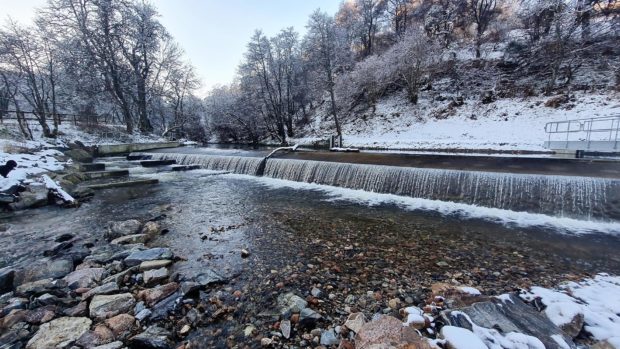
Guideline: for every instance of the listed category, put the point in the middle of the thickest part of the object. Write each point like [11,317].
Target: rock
[47,299]
[415,317]
[574,327]
[118,277]
[285,328]
[40,287]
[209,277]
[603,345]
[249,331]
[156,264]
[245,253]
[14,303]
[155,276]
[315,292]
[153,338]
[143,314]
[13,317]
[154,295]
[290,302]
[7,276]
[85,277]
[110,287]
[166,306]
[509,314]
[184,330]
[131,239]
[123,228]
[265,342]
[41,315]
[461,338]
[47,269]
[388,330]
[79,155]
[355,321]
[394,303]
[329,338]
[121,325]
[113,345]
[105,306]
[100,335]
[309,314]
[79,310]
[137,257]
[57,248]
[59,333]
[151,229]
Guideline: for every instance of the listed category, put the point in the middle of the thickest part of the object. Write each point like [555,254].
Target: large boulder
[389,332]
[39,287]
[121,325]
[106,306]
[505,315]
[59,333]
[123,228]
[46,269]
[85,277]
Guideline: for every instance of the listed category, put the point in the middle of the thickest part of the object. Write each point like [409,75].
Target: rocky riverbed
[209,261]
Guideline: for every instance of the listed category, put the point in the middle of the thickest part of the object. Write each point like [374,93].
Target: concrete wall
[114,149]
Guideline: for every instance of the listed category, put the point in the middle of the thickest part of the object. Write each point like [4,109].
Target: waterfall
[564,196]
[235,164]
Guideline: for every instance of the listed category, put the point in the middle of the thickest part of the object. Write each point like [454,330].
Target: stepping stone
[122,184]
[106,174]
[156,163]
[138,157]
[185,167]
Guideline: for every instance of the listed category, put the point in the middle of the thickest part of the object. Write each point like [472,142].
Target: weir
[578,197]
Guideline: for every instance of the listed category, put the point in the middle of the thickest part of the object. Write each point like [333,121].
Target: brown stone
[153,295]
[388,331]
[121,325]
[79,310]
[99,336]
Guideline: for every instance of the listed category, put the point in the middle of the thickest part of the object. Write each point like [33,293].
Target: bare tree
[482,13]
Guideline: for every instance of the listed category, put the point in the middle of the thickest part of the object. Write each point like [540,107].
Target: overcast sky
[212,32]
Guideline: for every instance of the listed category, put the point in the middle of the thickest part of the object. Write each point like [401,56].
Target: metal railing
[599,134]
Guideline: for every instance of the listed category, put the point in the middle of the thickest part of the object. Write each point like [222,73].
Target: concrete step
[92,167]
[106,174]
[185,167]
[131,157]
[122,184]
[155,163]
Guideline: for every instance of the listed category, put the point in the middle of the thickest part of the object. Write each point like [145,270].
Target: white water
[583,198]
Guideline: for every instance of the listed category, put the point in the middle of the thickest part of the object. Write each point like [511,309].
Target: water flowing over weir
[564,196]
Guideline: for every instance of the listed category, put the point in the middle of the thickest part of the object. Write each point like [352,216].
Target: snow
[496,340]
[50,184]
[463,211]
[598,299]
[470,290]
[461,338]
[560,340]
[31,161]
[415,315]
[506,124]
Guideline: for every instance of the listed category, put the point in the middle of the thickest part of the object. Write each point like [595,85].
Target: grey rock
[47,299]
[108,288]
[7,275]
[155,276]
[315,292]
[59,333]
[14,303]
[137,257]
[118,277]
[143,314]
[291,302]
[46,269]
[329,338]
[131,239]
[40,287]
[153,338]
[163,308]
[209,277]
[285,328]
[509,315]
[123,228]
[85,277]
[113,345]
[105,306]
[79,155]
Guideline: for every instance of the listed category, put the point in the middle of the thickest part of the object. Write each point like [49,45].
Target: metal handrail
[588,127]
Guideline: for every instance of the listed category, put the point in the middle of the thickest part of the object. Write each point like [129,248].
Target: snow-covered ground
[506,124]
[32,159]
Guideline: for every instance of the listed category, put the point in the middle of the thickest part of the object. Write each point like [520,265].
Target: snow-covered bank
[506,124]
[463,211]
[31,160]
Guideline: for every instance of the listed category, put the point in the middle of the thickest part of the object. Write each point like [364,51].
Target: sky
[213,33]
